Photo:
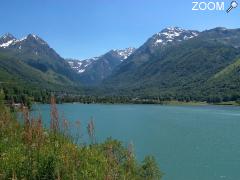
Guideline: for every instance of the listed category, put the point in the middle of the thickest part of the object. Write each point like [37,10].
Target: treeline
[29,151]
[143,100]
[106,100]
[27,95]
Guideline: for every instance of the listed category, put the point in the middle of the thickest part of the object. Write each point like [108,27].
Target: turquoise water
[189,142]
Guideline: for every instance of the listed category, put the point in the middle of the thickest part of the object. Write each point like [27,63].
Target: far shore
[173,103]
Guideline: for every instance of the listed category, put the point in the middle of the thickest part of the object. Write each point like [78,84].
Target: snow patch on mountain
[4,45]
[124,53]
[80,66]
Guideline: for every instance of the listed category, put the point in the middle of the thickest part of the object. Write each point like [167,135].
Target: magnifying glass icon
[233,5]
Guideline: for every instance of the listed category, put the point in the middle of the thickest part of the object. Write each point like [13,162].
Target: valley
[172,65]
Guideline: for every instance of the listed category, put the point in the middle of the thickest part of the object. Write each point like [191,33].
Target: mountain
[80,66]
[178,63]
[157,43]
[169,36]
[6,40]
[32,60]
[93,71]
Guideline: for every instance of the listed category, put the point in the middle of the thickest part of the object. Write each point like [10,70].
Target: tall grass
[91,131]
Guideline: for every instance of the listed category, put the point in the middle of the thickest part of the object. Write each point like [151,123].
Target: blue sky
[88,28]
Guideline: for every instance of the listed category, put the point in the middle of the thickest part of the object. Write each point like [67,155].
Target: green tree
[2,97]
[149,169]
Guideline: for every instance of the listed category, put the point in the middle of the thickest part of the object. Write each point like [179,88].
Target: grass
[190,103]
[199,103]
[228,103]
[228,70]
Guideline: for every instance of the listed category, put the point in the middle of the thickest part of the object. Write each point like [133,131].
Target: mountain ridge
[93,71]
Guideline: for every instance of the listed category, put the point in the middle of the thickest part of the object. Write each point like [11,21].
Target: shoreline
[170,103]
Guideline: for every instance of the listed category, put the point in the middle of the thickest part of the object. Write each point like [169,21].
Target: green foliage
[29,151]
[238,101]
[2,97]
[16,73]
[149,169]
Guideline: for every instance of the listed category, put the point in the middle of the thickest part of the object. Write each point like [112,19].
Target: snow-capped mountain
[180,61]
[171,35]
[94,70]
[8,41]
[80,66]
[35,53]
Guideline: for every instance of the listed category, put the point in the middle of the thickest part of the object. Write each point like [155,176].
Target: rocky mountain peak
[8,40]
[172,34]
[124,53]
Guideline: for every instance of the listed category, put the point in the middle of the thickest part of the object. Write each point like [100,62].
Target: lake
[188,142]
